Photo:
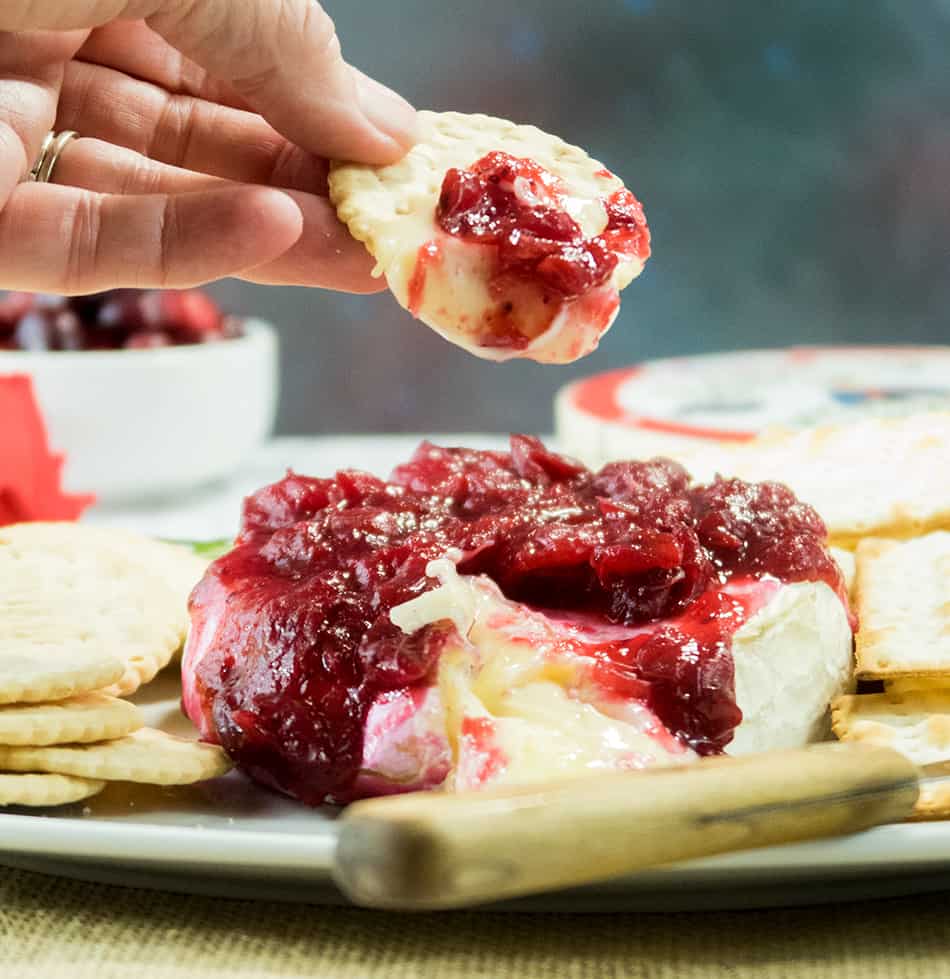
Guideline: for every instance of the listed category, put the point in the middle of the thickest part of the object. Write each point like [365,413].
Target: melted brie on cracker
[448,281]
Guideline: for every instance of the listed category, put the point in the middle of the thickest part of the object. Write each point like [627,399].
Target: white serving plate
[230,838]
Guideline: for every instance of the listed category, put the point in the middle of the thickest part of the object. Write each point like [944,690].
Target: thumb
[284,58]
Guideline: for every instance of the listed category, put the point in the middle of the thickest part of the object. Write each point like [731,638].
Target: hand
[205,129]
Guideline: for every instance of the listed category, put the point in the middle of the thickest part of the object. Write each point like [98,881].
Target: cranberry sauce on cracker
[504,239]
[540,254]
[369,636]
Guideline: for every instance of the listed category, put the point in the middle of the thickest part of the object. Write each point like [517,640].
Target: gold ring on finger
[50,152]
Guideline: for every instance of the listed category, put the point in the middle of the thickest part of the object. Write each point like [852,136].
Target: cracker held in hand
[902,597]
[45,790]
[147,755]
[870,477]
[81,608]
[86,717]
[505,240]
[917,724]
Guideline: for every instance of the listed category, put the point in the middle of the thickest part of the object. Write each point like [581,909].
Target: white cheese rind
[792,658]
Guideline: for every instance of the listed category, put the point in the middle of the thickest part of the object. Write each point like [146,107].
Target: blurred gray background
[793,159]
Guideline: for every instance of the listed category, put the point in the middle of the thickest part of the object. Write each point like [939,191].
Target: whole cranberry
[87,307]
[49,301]
[112,320]
[148,340]
[190,316]
[12,306]
[67,331]
[34,331]
[120,313]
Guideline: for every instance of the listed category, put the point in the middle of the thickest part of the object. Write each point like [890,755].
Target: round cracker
[391,210]
[33,672]
[138,671]
[178,565]
[76,588]
[45,790]
[87,717]
[147,755]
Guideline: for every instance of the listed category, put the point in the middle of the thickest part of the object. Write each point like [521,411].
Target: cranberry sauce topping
[518,207]
[122,318]
[305,643]
[682,668]
[427,255]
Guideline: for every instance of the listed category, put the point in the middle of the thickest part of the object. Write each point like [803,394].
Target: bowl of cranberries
[148,392]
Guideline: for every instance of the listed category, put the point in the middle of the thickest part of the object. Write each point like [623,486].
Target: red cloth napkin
[30,487]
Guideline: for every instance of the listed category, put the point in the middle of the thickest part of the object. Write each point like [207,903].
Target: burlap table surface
[57,928]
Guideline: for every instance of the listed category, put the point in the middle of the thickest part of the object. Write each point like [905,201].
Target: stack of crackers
[87,616]
[880,485]
[902,598]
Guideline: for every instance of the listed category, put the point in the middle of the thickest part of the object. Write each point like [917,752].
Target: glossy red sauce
[695,700]
[305,643]
[484,758]
[428,254]
[517,206]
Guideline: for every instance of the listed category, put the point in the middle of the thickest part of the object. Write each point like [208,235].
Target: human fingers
[324,255]
[132,47]
[68,240]
[183,130]
[282,56]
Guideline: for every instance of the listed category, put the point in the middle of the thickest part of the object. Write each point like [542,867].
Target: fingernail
[388,112]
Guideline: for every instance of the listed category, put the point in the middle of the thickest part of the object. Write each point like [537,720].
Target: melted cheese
[514,703]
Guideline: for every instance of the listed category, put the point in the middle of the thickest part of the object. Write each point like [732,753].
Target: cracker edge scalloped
[138,674]
[212,762]
[61,689]
[85,728]
[348,181]
[83,788]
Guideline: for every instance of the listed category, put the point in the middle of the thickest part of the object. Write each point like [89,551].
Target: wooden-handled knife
[429,850]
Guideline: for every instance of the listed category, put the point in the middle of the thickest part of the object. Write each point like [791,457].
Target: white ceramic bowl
[136,424]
